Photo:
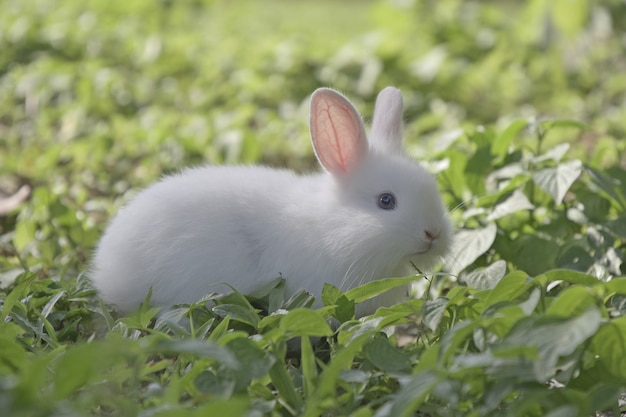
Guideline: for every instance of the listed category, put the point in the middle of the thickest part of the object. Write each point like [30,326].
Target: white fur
[247,225]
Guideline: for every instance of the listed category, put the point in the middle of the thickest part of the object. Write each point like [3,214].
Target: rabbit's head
[391,202]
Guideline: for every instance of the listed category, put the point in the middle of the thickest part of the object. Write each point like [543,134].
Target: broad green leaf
[617,226]
[76,367]
[208,382]
[553,338]
[557,181]
[301,299]
[305,322]
[432,312]
[274,291]
[567,275]
[563,411]
[200,348]
[254,362]
[284,385]
[458,335]
[509,288]
[609,347]
[237,313]
[603,396]
[501,144]
[612,187]
[220,330]
[534,253]
[413,394]
[233,407]
[571,302]
[486,278]
[530,304]
[468,246]
[330,294]
[13,353]
[556,154]
[235,298]
[564,123]
[374,288]
[617,285]
[516,202]
[343,359]
[20,291]
[385,356]
[345,309]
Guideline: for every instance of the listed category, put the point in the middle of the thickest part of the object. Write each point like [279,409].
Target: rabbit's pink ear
[337,132]
[387,124]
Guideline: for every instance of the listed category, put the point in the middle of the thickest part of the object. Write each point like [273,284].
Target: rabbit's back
[203,226]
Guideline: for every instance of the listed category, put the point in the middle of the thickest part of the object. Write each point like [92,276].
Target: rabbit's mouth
[432,248]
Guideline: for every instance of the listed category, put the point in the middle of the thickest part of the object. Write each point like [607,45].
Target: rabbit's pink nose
[431,235]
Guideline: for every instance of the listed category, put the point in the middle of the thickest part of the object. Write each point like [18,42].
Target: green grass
[518,108]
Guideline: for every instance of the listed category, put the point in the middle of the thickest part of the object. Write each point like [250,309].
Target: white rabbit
[367,216]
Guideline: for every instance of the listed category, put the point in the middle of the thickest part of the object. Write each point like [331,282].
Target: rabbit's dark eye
[387,201]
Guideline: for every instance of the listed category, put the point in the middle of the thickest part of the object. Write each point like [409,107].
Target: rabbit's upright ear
[387,124]
[337,132]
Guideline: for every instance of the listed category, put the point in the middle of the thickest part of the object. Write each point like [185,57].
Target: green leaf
[342,360]
[486,278]
[200,348]
[608,346]
[616,285]
[553,338]
[563,411]
[275,293]
[557,181]
[517,201]
[308,365]
[238,313]
[458,335]
[617,227]
[568,275]
[534,253]
[330,294]
[564,123]
[432,312]
[385,356]
[76,367]
[571,302]
[345,309]
[301,299]
[500,145]
[283,383]
[612,187]
[469,246]
[509,288]
[207,382]
[238,406]
[305,322]
[13,354]
[413,394]
[254,362]
[555,154]
[19,292]
[374,288]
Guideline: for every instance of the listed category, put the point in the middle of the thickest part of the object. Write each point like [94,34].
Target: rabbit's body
[246,226]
